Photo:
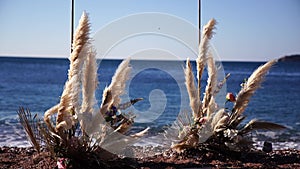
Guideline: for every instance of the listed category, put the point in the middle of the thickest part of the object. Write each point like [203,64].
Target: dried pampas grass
[78,104]
[29,123]
[212,125]
[69,102]
[191,88]
[53,110]
[195,94]
[89,86]
[208,105]
[259,125]
[211,84]
[219,121]
[89,83]
[190,140]
[252,84]
[221,84]
[112,93]
[211,108]
[207,33]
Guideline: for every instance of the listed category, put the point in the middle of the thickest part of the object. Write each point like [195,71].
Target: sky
[248,30]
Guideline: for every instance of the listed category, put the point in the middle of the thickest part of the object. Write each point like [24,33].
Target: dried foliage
[256,124]
[112,93]
[191,88]
[89,83]
[89,86]
[247,90]
[195,98]
[69,101]
[29,123]
[207,33]
[212,124]
[82,127]
[211,85]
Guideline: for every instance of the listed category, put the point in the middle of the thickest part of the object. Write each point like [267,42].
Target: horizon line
[114,58]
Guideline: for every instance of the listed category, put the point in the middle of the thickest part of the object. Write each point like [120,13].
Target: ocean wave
[14,136]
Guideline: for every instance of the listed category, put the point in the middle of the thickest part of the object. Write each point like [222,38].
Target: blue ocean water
[37,83]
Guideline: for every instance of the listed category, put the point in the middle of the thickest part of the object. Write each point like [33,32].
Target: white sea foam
[279,145]
[13,138]
[15,143]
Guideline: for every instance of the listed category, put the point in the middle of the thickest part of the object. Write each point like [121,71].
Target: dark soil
[14,157]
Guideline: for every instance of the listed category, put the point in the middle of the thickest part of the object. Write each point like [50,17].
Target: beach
[14,157]
[149,89]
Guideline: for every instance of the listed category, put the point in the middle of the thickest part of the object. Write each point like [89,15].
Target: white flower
[230,133]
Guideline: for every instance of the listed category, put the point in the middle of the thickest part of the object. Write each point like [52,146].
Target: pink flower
[61,163]
[230,97]
[203,120]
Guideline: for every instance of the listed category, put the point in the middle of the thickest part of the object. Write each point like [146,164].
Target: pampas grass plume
[69,105]
[252,84]
[191,88]
[89,83]
[211,83]
[112,93]
[203,51]
[256,125]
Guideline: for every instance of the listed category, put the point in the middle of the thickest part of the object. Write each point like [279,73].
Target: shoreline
[258,144]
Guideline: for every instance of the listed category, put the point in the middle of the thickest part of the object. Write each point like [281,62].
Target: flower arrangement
[76,127]
[211,124]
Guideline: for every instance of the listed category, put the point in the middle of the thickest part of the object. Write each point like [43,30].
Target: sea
[37,84]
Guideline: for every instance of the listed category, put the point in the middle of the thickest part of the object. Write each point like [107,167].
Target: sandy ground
[15,157]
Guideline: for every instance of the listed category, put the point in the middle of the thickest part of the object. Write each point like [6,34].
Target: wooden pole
[199,40]
[199,20]
[72,22]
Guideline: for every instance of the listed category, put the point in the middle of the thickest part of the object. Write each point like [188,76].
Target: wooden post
[199,20]
[199,40]
[72,22]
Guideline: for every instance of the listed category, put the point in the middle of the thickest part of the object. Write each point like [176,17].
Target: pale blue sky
[255,30]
